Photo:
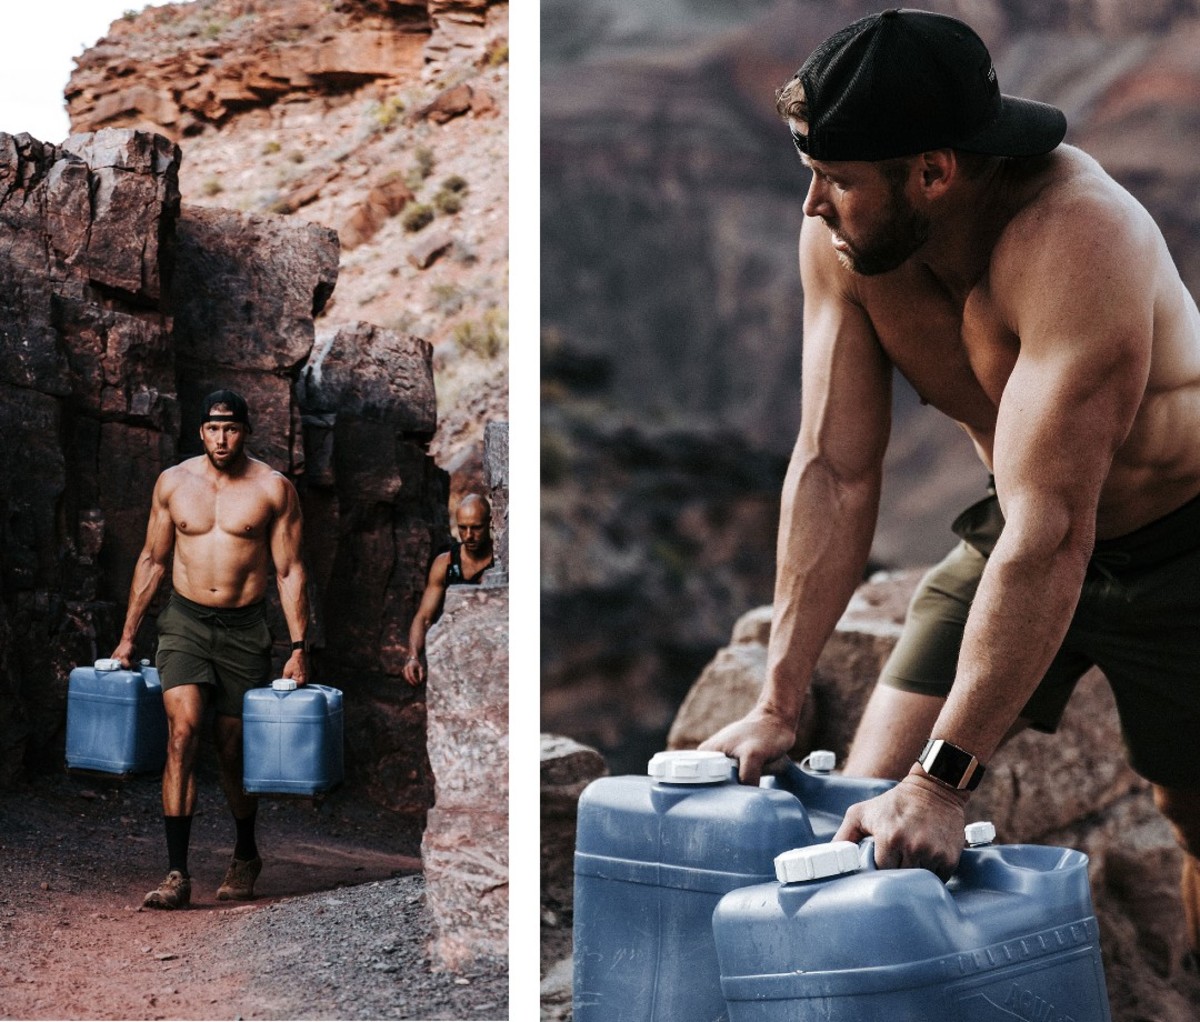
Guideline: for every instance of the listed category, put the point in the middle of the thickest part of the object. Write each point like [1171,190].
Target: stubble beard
[232,460]
[891,244]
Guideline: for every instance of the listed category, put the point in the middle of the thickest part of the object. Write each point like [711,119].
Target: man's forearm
[825,531]
[293,599]
[1017,622]
[147,575]
[416,636]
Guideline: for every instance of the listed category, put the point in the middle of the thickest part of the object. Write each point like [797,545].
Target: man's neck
[965,234]
[233,470]
[482,553]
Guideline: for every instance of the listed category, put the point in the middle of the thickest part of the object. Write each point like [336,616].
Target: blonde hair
[790,100]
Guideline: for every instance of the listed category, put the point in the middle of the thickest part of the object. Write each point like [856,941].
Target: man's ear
[937,170]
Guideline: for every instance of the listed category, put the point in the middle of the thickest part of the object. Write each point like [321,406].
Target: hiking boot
[174,892]
[238,884]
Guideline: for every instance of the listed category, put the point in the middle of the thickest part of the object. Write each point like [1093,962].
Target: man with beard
[228,518]
[462,565]
[1025,294]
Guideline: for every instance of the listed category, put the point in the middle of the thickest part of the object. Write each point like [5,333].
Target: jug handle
[866,854]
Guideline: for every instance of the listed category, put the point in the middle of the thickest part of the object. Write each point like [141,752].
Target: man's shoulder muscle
[170,479]
[1078,214]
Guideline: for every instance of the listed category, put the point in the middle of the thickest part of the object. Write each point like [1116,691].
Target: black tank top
[454,574]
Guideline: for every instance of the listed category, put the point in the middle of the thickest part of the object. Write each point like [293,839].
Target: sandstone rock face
[460,27]
[465,846]
[180,68]
[87,400]
[120,312]
[495,476]
[567,768]
[371,494]
[246,289]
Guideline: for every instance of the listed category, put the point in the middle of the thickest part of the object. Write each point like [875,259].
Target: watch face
[950,764]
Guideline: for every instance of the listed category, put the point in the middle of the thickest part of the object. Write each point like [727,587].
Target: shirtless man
[1029,297]
[229,518]
[462,565]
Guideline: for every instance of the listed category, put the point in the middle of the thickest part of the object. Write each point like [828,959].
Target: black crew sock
[245,848]
[179,832]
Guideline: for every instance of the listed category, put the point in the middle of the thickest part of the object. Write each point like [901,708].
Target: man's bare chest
[198,509]
[957,355]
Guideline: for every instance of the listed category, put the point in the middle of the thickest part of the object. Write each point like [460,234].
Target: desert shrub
[417,217]
[496,53]
[486,338]
[447,202]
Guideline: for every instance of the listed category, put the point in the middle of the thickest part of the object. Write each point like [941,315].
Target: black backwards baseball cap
[238,410]
[904,82]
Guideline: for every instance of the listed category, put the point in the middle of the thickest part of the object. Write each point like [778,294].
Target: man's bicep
[287,530]
[435,586]
[160,530]
[1085,326]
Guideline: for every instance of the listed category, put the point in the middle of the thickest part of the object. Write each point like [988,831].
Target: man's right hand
[414,671]
[124,653]
[760,742]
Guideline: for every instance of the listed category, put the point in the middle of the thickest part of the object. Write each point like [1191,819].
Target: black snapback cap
[904,82]
[239,411]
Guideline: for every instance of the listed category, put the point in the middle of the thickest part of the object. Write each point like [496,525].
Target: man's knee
[1181,807]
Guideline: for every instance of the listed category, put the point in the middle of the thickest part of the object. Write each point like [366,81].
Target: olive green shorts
[1138,620]
[227,648]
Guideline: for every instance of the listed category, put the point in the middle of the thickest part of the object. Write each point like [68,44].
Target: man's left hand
[919,823]
[297,668]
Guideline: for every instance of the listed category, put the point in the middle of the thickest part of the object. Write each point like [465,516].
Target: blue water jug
[825,795]
[653,856]
[1011,936]
[292,739]
[116,723]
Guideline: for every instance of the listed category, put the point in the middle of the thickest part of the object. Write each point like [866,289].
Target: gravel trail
[339,928]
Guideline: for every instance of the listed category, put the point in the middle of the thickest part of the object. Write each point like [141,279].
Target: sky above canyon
[40,40]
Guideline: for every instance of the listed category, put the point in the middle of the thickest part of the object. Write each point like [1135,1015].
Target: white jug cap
[283,685]
[821,760]
[981,833]
[107,664]
[691,766]
[816,862]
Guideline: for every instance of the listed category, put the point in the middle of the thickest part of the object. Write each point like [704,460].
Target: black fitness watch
[951,765]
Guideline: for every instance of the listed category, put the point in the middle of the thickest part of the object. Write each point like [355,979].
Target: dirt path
[77,855]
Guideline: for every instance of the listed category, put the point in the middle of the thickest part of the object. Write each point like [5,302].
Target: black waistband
[1174,534]
[231,617]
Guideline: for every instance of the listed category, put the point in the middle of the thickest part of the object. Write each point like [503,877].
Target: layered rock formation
[1072,789]
[671,205]
[170,68]
[123,310]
